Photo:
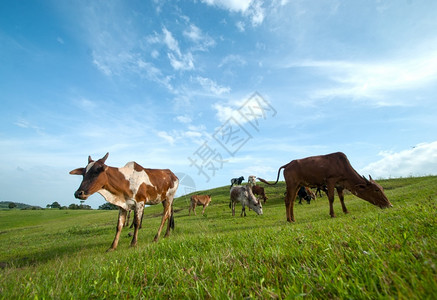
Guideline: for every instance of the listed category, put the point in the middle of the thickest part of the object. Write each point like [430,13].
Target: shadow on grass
[43,256]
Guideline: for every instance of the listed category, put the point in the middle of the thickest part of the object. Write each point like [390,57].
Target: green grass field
[367,254]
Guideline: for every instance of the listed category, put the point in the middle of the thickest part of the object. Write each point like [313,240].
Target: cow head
[372,192]
[254,203]
[94,177]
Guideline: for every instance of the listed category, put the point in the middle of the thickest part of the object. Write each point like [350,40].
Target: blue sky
[160,82]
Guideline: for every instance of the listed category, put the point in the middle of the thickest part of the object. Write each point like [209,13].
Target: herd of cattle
[132,187]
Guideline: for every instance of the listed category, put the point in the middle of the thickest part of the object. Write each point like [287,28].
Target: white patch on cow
[135,178]
[172,191]
[90,165]
[111,198]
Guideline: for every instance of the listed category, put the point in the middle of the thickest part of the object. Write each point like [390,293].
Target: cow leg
[243,210]
[121,219]
[126,224]
[139,209]
[331,200]
[290,197]
[203,211]
[170,222]
[233,208]
[194,209]
[340,191]
[165,216]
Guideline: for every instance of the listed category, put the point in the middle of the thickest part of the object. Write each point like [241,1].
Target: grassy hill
[368,253]
[5,205]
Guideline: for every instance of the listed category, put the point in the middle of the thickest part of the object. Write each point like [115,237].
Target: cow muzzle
[80,195]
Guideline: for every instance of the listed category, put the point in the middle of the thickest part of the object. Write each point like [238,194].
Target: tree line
[56,205]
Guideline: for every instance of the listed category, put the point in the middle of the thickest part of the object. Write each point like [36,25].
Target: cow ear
[79,171]
[370,177]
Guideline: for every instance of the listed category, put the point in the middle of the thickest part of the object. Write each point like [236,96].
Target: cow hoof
[110,250]
[130,234]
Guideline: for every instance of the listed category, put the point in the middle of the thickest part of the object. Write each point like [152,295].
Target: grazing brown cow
[259,190]
[129,187]
[333,170]
[244,195]
[203,200]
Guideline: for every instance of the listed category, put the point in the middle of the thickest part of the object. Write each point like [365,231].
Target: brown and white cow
[203,200]
[129,187]
[333,170]
[245,196]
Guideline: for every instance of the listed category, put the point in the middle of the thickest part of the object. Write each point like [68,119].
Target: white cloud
[248,8]
[185,62]
[233,60]
[247,109]
[170,139]
[418,161]
[184,119]
[202,41]
[171,42]
[192,134]
[232,5]
[240,26]
[212,86]
[178,60]
[372,81]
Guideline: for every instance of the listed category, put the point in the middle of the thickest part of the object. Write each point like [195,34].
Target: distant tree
[55,205]
[12,205]
[108,206]
[84,206]
[48,206]
[73,206]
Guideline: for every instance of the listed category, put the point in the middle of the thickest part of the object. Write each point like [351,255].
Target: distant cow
[129,187]
[236,181]
[251,180]
[203,200]
[244,195]
[305,193]
[333,170]
[320,189]
[259,190]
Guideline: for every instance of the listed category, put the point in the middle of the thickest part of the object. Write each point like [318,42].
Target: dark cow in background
[319,190]
[305,193]
[333,170]
[259,190]
[203,200]
[129,188]
[236,181]
[244,195]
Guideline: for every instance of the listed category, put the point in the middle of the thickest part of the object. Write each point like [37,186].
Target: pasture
[369,253]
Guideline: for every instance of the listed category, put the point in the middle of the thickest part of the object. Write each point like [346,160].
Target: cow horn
[370,177]
[90,160]
[365,179]
[103,159]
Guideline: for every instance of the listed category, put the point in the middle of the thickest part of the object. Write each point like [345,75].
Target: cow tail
[277,179]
